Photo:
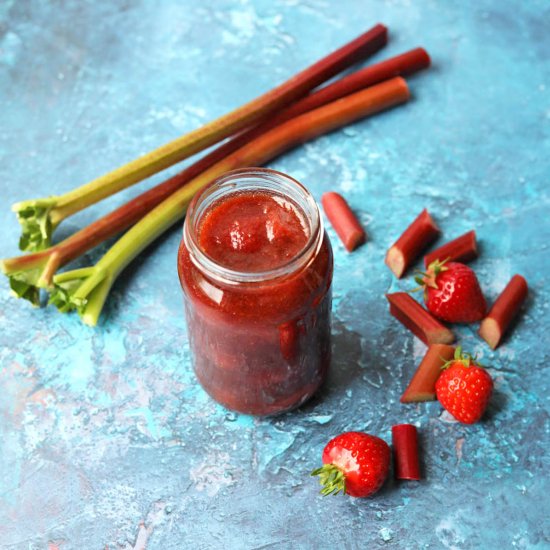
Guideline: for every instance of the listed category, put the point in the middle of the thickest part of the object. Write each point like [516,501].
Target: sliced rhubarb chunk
[418,320]
[462,249]
[503,311]
[422,384]
[343,220]
[405,452]
[417,237]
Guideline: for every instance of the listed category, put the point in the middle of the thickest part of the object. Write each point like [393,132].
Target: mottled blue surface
[105,438]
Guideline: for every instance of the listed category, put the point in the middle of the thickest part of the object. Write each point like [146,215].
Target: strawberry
[464,388]
[355,463]
[452,292]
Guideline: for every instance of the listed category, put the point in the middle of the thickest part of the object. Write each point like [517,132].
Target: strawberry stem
[331,478]
[460,357]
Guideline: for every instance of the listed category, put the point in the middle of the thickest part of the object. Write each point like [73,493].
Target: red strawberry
[464,388]
[452,292]
[354,463]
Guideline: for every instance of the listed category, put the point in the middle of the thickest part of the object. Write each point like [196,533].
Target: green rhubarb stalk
[86,290]
[40,217]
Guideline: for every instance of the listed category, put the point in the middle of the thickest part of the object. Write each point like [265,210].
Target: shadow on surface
[353,358]
[496,405]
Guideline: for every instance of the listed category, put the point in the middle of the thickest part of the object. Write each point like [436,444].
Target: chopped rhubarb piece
[343,220]
[405,452]
[418,236]
[422,384]
[419,321]
[462,249]
[503,311]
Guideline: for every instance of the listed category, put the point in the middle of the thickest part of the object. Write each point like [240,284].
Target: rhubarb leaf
[21,287]
[72,290]
[36,224]
[61,297]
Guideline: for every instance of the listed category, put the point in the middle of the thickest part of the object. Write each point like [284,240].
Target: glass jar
[255,266]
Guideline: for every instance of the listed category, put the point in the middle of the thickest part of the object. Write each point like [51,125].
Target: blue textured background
[105,438]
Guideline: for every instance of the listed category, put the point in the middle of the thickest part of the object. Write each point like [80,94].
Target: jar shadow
[350,354]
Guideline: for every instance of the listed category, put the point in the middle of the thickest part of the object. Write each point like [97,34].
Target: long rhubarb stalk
[37,270]
[40,217]
[87,289]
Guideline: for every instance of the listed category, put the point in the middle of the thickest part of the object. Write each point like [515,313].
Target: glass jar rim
[237,181]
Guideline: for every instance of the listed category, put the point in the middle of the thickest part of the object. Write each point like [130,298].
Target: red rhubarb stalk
[405,452]
[462,249]
[343,220]
[419,321]
[40,217]
[418,236]
[422,384]
[503,311]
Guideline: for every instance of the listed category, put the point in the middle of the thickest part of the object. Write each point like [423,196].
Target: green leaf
[25,290]
[36,224]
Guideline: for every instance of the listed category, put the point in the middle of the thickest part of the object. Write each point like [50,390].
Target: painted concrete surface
[106,441]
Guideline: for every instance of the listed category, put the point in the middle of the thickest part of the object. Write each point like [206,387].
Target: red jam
[256,269]
[252,231]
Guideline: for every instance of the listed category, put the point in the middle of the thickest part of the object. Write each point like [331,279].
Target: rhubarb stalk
[37,270]
[87,289]
[40,217]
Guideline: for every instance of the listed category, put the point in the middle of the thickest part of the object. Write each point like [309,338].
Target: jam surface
[260,347]
[253,232]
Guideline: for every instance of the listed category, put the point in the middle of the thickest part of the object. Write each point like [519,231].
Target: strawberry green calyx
[437,266]
[331,478]
[428,278]
[465,359]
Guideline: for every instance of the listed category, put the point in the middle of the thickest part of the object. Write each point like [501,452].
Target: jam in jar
[255,265]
